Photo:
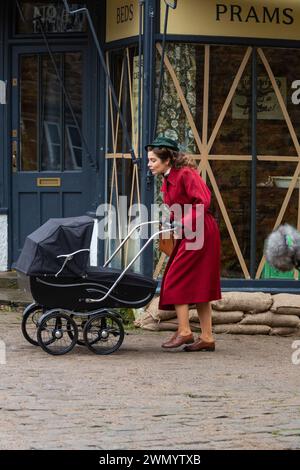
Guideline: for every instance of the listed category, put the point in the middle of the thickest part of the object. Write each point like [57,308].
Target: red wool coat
[191,276]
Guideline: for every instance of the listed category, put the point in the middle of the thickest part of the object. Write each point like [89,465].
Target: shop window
[205,75]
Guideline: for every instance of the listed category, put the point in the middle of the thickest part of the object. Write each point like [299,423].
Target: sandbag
[156,314]
[172,326]
[143,320]
[283,331]
[242,329]
[163,315]
[167,326]
[226,317]
[152,326]
[287,304]
[243,301]
[271,319]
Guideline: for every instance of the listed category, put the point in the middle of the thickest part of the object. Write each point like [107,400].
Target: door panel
[28,215]
[50,175]
[50,205]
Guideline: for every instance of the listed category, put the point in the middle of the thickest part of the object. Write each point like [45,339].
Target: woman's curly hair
[177,159]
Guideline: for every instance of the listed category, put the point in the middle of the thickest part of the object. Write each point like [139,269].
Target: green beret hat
[163,142]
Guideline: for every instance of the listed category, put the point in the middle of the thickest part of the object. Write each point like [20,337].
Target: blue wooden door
[51,176]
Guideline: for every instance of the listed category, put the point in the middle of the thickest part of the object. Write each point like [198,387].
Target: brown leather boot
[177,341]
[201,345]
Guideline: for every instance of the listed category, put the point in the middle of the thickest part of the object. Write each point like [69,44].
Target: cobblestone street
[245,395]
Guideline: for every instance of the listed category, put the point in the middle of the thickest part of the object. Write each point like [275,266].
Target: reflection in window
[53,16]
[172,119]
[273,136]
[51,105]
[28,112]
[74,155]
[52,134]
[73,84]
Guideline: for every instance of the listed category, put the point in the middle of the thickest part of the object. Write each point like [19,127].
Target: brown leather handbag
[166,245]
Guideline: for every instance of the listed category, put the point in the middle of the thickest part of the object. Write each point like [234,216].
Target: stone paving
[245,395]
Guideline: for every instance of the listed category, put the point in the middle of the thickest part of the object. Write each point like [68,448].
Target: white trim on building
[3,243]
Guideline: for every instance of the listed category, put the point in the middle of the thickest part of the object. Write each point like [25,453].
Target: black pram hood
[57,237]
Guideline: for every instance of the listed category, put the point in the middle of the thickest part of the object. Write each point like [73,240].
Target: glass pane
[233,138]
[73,84]
[53,15]
[118,65]
[274,139]
[51,115]
[234,183]
[234,135]
[273,179]
[273,135]
[121,69]
[187,61]
[28,113]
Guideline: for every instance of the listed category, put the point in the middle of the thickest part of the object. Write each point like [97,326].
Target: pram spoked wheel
[104,333]
[57,332]
[30,320]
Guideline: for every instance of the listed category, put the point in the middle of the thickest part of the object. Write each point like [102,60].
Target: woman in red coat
[192,275]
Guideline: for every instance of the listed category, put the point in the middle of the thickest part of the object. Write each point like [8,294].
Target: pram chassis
[97,326]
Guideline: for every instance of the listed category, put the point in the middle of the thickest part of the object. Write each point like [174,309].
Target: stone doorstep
[14,297]
[8,280]
[10,293]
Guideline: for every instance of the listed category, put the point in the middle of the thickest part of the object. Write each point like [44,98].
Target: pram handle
[130,264]
[125,239]
[68,257]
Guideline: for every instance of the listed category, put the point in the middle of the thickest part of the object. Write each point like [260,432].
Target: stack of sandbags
[249,303]
[155,319]
[236,313]
[286,309]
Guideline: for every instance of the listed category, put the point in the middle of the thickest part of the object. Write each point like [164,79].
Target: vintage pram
[74,302]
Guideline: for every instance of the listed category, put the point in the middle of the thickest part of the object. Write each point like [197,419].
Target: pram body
[133,291]
[73,299]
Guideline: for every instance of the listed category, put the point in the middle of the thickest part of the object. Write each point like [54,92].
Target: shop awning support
[173,5]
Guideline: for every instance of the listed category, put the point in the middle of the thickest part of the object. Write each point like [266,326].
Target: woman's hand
[177,233]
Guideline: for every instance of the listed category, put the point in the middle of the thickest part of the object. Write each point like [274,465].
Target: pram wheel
[30,320]
[103,333]
[57,333]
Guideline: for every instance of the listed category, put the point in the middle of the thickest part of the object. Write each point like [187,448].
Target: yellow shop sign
[272,19]
[122,19]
